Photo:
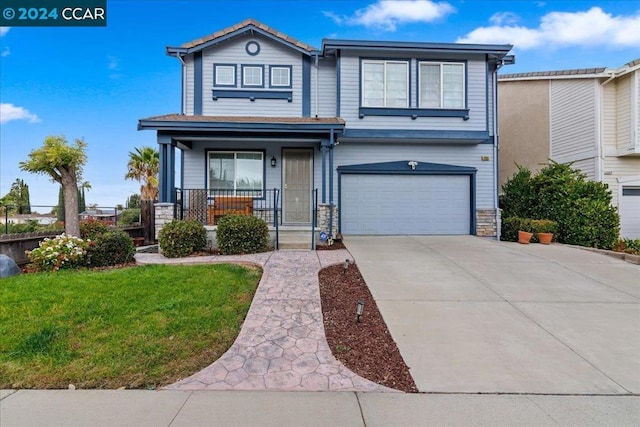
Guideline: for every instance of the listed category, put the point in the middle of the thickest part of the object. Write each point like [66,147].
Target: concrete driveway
[475,315]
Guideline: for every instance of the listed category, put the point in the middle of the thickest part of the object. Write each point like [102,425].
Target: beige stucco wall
[523,108]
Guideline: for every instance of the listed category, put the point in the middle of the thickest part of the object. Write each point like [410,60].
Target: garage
[398,198]
[630,212]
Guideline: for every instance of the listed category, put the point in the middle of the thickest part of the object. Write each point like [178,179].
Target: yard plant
[181,238]
[242,234]
[581,208]
[136,327]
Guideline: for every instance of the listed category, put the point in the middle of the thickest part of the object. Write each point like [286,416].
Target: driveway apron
[477,315]
[282,345]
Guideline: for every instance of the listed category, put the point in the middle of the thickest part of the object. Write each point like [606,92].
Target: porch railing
[207,206]
[314,218]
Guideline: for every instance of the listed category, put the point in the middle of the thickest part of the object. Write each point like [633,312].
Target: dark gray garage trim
[409,167]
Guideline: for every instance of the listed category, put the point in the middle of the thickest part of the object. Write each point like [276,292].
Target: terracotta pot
[524,237]
[545,238]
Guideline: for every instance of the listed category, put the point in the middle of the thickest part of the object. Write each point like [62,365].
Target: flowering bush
[60,252]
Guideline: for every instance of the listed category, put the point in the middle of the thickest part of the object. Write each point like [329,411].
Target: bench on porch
[225,205]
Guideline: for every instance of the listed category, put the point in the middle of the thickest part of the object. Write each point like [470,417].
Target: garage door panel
[403,204]
[630,212]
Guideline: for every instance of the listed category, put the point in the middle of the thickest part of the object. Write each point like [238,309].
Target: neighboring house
[41,219]
[108,216]
[589,117]
[398,137]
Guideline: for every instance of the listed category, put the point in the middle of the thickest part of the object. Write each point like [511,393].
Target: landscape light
[359,310]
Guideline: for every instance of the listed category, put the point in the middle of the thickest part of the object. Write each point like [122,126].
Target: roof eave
[333,44]
[175,125]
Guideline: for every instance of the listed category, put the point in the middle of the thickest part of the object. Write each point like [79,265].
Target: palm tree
[143,166]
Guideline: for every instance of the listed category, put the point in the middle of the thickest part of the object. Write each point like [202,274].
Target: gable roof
[497,51]
[247,26]
[575,73]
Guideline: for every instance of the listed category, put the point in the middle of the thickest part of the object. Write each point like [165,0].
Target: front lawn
[137,327]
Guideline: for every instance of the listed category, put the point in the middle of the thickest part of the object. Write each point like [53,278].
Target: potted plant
[525,231]
[544,229]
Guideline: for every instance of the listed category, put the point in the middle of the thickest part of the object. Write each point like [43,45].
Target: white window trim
[217,74]
[279,67]
[259,67]
[235,171]
[441,63]
[384,80]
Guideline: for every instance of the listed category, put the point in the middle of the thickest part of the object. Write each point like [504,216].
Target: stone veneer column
[323,218]
[486,225]
[164,215]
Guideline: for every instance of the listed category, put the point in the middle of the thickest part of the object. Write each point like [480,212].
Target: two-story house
[587,117]
[397,137]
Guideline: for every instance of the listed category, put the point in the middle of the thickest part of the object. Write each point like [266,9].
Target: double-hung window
[385,83]
[442,85]
[252,76]
[224,75]
[236,173]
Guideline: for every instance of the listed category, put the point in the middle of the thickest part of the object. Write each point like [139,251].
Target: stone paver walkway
[282,345]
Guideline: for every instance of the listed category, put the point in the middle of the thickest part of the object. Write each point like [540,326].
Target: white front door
[297,181]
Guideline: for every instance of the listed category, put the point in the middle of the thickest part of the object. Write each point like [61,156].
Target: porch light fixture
[412,164]
[359,310]
[345,266]
[273,162]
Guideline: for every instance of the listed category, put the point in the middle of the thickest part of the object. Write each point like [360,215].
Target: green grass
[137,327]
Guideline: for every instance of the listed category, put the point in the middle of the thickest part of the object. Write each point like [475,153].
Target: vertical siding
[624,131]
[350,97]
[326,73]
[573,119]
[188,89]
[271,53]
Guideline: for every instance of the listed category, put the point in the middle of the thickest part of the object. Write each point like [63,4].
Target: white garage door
[630,212]
[405,204]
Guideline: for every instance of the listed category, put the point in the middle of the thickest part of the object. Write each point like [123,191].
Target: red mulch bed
[366,348]
[336,245]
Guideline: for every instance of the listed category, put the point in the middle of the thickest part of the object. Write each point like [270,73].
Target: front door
[297,178]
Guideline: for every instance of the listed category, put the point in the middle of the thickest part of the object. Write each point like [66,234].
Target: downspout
[315,106]
[331,141]
[496,150]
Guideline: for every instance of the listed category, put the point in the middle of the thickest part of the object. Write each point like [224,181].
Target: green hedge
[110,248]
[92,228]
[582,209]
[242,234]
[182,238]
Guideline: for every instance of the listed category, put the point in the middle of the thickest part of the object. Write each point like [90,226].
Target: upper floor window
[224,75]
[252,76]
[280,76]
[385,83]
[442,85]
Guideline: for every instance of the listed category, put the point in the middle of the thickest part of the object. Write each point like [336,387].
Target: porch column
[166,175]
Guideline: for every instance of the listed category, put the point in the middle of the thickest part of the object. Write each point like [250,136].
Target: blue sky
[95,83]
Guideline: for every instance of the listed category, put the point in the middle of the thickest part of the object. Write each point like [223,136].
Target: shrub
[130,216]
[630,246]
[110,248]
[182,238]
[242,234]
[92,228]
[61,252]
[511,226]
[544,226]
[581,208]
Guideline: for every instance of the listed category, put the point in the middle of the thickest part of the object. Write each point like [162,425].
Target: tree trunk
[70,188]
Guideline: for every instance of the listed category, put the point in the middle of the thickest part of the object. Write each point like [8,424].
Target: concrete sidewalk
[252,408]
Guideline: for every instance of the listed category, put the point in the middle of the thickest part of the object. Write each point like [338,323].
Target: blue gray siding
[326,88]
[476,96]
[271,53]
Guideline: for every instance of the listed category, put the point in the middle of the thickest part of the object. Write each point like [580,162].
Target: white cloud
[10,112]
[5,52]
[4,30]
[593,27]
[387,14]
[504,18]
